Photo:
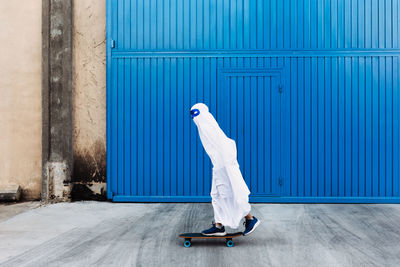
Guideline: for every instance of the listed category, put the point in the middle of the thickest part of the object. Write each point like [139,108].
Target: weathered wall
[20,102]
[89,175]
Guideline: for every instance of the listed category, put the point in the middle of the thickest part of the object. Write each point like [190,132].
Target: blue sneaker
[214,231]
[251,225]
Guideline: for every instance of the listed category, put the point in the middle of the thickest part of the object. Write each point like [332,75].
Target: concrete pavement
[8,210]
[111,234]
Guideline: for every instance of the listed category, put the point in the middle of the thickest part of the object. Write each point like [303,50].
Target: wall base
[57,181]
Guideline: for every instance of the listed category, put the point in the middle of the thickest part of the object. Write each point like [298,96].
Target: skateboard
[228,238]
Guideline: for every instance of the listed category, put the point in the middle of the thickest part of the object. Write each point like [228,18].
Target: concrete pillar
[57,99]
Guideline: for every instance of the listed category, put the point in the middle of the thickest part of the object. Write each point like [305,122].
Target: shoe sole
[216,234]
[254,228]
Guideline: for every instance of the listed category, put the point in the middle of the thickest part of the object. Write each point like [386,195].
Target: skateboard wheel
[187,243]
[229,243]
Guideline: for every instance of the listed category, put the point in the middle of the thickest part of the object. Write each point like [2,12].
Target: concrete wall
[20,102]
[89,175]
[20,105]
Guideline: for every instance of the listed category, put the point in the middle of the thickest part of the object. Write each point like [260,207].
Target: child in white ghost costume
[229,191]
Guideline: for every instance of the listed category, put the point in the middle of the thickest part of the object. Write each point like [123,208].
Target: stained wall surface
[89,98]
[20,102]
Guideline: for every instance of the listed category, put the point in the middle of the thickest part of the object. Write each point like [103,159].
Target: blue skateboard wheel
[229,243]
[187,243]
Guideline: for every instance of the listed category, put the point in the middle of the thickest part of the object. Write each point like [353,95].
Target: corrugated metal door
[249,109]
[308,89]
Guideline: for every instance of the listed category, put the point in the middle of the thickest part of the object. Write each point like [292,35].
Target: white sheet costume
[229,192]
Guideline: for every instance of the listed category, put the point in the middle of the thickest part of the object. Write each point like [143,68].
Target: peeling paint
[55,32]
[59,187]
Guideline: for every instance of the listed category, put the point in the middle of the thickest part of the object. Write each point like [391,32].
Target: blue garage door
[308,89]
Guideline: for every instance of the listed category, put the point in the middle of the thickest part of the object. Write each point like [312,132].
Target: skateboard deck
[228,238]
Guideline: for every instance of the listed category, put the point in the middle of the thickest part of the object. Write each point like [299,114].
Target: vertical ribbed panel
[253,95]
[344,129]
[332,134]
[256,24]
